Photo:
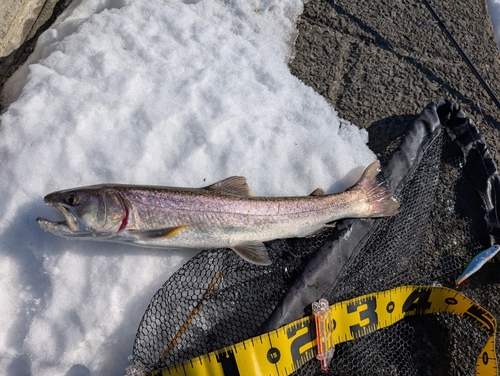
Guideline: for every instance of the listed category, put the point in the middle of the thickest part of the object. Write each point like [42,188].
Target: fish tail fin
[381,201]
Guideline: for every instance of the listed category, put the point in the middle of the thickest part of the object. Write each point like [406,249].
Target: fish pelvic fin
[162,233]
[381,201]
[253,251]
[236,185]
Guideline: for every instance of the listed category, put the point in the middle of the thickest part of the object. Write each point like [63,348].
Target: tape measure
[286,349]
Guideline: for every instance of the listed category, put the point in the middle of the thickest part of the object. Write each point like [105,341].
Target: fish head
[96,211]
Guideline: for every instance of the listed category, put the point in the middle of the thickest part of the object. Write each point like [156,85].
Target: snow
[135,92]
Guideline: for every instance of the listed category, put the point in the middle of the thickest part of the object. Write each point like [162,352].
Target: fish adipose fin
[161,233]
[382,201]
[236,185]
[254,252]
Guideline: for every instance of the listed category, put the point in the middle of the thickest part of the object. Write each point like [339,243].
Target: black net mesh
[217,299]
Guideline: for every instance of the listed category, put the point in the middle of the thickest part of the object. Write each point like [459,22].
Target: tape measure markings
[284,350]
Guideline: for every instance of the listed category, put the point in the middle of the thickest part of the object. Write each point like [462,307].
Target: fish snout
[53,197]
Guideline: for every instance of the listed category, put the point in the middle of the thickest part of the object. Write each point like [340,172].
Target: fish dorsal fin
[236,185]
[317,192]
[253,251]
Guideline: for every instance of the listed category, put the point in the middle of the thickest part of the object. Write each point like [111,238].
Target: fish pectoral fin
[254,252]
[330,224]
[236,185]
[317,192]
[167,232]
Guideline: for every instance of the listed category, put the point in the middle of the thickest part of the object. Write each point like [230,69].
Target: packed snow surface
[136,92]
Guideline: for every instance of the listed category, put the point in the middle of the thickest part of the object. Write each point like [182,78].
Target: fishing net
[444,177]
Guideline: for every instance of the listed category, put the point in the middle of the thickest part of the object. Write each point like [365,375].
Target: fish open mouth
[66,227]
[56,227]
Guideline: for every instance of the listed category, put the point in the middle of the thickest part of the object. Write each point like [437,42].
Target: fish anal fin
[317,192]
[313,233]
[253,251]
[330,224]
[236,185]
[162,233]
[320,230]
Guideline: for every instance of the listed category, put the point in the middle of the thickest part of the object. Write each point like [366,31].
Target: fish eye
[71,199]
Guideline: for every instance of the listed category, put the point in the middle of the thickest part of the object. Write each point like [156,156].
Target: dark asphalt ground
[379,63]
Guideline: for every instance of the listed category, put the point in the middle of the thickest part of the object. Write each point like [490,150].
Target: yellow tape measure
[286,349]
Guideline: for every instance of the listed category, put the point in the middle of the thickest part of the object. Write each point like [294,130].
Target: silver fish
[222,215]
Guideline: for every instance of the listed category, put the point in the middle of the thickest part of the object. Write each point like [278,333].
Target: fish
[477,262]
[225,214]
